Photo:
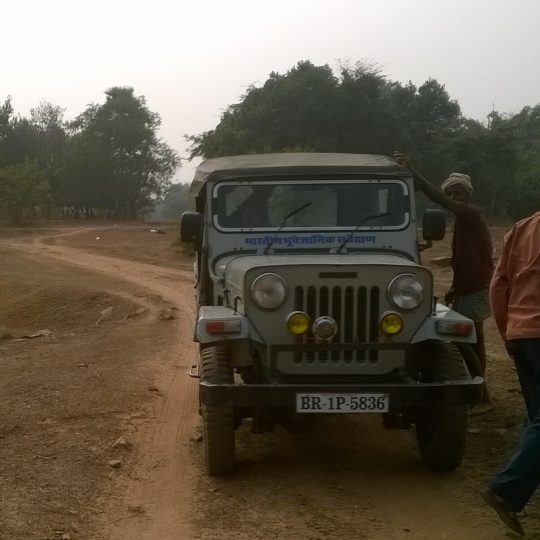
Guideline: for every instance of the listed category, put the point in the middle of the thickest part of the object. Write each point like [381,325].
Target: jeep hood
[233,268]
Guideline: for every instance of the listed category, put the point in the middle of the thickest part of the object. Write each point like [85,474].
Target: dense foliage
[109,161]
[310,108]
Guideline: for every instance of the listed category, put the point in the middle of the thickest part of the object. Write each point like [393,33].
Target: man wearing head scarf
[471,257]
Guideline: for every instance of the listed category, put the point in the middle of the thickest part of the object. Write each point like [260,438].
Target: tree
[524,130]
[427,120]
[82,183]
[115,154]
[18,139]
[489,157]
[47,121]
[290,112]
[311,109]
[364,120]
[22,187]
[6,115]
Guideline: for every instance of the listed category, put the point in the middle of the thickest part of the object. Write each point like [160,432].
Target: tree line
[358,109]
[108,161]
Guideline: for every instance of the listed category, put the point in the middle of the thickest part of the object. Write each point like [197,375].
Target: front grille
[356,311]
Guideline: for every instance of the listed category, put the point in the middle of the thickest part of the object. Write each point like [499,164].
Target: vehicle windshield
[339,204]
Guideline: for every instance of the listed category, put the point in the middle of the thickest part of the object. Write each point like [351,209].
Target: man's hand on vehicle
[402,159]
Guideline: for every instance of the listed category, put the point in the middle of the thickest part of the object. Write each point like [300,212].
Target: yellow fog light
[391,324]
[298,323]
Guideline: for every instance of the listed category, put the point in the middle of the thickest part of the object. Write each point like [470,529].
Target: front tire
[441,430]
[218,421]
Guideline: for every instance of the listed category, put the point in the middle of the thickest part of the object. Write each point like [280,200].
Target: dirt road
[107,373]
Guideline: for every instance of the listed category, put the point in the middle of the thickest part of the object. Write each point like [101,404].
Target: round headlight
[391,324]
[298,323]
[268,291]
[406,291]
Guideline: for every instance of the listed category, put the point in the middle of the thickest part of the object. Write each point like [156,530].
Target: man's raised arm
[422,183]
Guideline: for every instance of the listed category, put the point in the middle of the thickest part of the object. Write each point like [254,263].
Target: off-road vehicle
[312,299]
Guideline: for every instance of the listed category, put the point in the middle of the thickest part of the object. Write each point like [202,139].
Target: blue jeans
[517,482]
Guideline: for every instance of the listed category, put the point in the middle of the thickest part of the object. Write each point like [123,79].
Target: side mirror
[433,227]
[191,228]
[434,224]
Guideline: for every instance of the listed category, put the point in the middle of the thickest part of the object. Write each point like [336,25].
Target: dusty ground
[102,373]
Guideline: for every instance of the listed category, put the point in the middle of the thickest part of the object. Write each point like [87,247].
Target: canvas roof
[294,164]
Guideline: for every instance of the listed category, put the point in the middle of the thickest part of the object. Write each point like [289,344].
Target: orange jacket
[515,287]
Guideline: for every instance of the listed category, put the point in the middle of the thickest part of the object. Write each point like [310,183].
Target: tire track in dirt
[162,486]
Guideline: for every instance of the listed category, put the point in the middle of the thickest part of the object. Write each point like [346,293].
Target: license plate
[342,403]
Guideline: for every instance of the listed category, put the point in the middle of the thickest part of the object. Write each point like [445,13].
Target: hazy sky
[193,58]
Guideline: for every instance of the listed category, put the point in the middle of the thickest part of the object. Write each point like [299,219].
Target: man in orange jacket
[515,301]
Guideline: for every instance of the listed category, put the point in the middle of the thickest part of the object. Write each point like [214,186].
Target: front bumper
[283,396]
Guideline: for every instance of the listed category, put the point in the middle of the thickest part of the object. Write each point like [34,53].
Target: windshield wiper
[362,221]
[282,224]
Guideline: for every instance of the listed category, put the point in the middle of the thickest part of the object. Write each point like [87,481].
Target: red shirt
[515,288]
[471,250]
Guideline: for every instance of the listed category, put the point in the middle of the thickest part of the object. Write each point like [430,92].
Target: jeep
[312,300]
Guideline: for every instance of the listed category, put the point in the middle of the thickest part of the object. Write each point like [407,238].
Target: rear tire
[441,430]
[218,422]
